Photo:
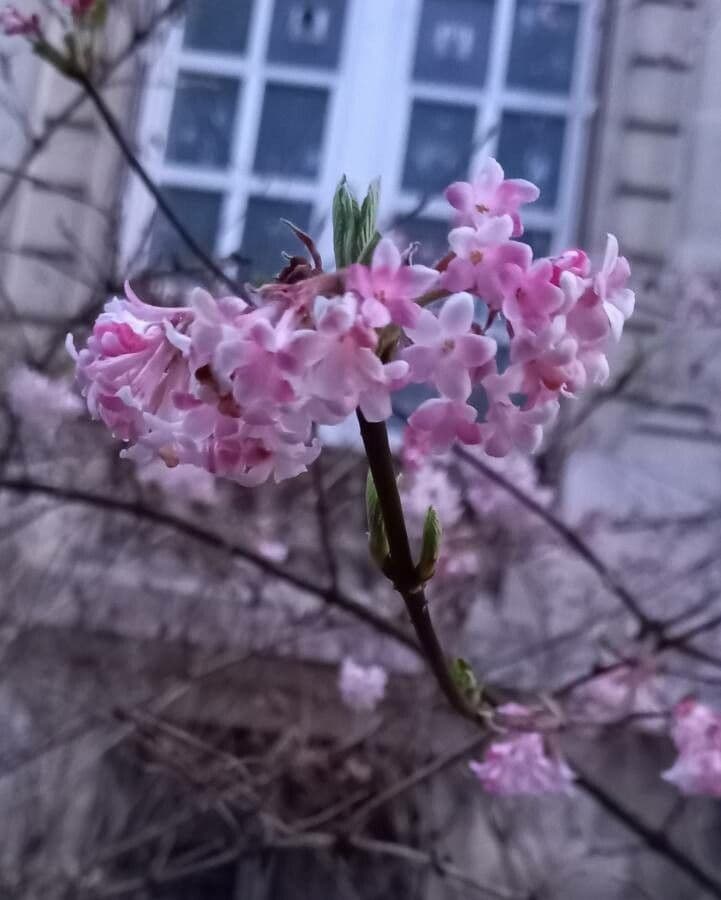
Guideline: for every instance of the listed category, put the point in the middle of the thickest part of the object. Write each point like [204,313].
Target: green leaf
[367,219]
[430,546]
[366,254]
[345,223]
[377,538]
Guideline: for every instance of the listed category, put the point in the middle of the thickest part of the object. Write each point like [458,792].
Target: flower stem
[402,569]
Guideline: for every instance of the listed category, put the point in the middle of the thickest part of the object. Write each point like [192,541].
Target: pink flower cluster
[239,389]
[559,315]
[696,732]
[521,763]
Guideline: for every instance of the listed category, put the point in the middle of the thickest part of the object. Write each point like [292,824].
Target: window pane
[199,211]
[538,240]
[531,146]
[307,32]
[544,40]
[265,236]
[291,131]
[453,41]
[201,124]
[439,145]
[220,25]
[432,235]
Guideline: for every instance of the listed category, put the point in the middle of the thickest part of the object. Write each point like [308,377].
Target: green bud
[430,546]
[465,680]
[345,223]
[377,538]
[367,236]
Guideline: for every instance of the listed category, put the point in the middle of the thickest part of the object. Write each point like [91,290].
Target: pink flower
[389,289]
[133,363]
[362,687]
[437,423]
[611,286]
[549,363]
[521,765]
[349,374]
[445,349]
[508,426]
[42,404]
[696,731]
[487,262]
[13,22]
[488,194]
[536,299]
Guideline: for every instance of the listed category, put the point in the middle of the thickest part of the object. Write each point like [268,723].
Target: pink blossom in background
[183,483]
[521,765]
[634,689]
[388,289]
[430,486]
[696,732]
[41,404]
[489,499]
[491,194]
[14,23]
[362,687]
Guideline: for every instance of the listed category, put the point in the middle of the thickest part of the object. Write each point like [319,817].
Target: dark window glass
[265,236]
[538,240]
[453,41]
[431,234]
[544,42]
[440,140]
[199,211]
[307,32]
[220,25]
[202,121]
[531,146]
[291,131]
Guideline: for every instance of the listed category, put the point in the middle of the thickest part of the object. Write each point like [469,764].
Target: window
[257,107]
[239,114]
[511,78]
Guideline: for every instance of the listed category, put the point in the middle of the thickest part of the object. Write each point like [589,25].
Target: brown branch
[332,597]
[402,570]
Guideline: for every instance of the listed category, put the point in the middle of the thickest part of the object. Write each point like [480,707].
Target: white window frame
[371,93]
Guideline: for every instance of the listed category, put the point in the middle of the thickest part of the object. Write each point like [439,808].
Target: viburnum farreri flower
[696,732]
[238,386]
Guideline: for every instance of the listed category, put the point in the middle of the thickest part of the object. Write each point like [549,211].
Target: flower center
[476,257]
[482,208]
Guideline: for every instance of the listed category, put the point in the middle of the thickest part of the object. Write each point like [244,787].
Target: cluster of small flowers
[522,763]
[696,732]
[559,316]
[41,404]
[238,388]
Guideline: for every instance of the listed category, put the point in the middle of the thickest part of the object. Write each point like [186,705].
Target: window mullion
[246,128]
